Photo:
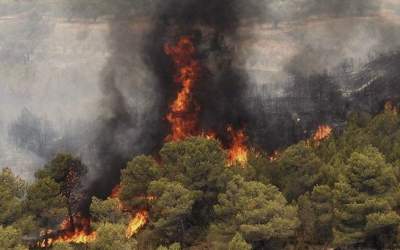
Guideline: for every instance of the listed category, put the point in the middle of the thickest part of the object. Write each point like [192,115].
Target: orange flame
[183,113]
[138,221]
[82,233]
[238,151]
[323,132]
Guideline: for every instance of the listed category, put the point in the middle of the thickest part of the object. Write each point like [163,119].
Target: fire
[238,152]
[323,132]
[79,237]
[183,115]
[183,112]
[82,234]
[274,156]
[138,221]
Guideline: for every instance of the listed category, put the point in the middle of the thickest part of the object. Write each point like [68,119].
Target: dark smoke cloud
[126,128]
[138,82]
[277,68]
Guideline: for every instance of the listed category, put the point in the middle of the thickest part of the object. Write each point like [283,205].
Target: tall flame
[183,112]
[238,151]
[323,132]
[138,221]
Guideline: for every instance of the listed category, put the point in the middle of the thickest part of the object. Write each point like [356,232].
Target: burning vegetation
[78,232]
[138,221]
[170,200]
[238,151]
[323,132]
[184,111]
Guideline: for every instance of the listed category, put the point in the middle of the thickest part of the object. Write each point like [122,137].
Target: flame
[138,221]
[323,132]
[274,156]
[82,233]
[238,151]
[183,112]
[79,237]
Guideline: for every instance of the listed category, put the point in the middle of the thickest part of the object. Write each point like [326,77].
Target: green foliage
[65,170]
[344,192]
[110,237]
[11,239]
[171,211]
[238,243]
[107,211]
[198,163]
[12,190]
[364,201]
[297,171]
[316,215]
[175,246]
[259,212]
[45,202]
[62,246]
[136,179]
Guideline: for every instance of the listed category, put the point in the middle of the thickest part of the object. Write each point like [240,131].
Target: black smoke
[138,84]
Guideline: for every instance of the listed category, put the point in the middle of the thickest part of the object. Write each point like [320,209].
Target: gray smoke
[83,81]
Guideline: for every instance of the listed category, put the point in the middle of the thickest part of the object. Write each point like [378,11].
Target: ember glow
[274,156]
[138,221]
[183,111]
[323,132]
[238,151]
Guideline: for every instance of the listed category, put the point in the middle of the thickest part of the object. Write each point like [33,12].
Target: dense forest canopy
[341,192]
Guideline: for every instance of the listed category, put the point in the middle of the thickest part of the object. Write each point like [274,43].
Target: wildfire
[323,132]
[138,221]
[183,112]
[183,115]
[82,233]
[274,156]
[78,237]
[238,151]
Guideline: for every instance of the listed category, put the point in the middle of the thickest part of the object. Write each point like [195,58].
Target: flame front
[183,111]
[79,237]
[138,221]
[82,234]
[323,132]
[238,151]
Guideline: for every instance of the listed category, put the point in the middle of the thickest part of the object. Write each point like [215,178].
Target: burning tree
[45,202]
[67,171]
